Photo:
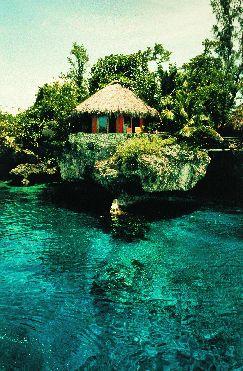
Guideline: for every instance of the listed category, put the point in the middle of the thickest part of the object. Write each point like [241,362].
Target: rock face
[151,163]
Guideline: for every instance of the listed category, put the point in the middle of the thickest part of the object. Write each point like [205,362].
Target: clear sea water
[80,292]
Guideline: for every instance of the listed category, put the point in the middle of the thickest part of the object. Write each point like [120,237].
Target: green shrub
[128,153]
[25,173]
[203,136]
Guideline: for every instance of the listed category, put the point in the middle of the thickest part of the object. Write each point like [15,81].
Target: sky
[36,36]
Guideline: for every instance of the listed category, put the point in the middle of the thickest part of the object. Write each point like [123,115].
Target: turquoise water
[78,294]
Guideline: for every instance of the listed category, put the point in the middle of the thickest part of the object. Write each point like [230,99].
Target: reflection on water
[79,293]
[128,227]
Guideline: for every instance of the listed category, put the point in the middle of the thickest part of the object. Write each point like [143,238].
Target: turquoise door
[103,124]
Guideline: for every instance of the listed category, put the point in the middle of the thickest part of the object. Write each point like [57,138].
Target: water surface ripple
[75,295]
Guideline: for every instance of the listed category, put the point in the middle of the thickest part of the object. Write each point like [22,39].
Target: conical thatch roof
[115,99]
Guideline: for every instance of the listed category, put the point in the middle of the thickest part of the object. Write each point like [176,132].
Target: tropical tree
[228,46]
[137,71]
[237,119]
[207,95]
[78,61]
[205,90]
[54,103]
[228,30]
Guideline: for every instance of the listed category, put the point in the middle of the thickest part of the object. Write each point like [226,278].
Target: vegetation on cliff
[145,162]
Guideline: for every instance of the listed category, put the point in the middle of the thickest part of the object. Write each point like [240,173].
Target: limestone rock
[153,166]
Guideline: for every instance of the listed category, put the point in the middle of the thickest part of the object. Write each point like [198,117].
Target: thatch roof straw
[115,99]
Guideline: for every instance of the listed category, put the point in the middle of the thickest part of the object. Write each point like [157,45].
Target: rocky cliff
[146,162]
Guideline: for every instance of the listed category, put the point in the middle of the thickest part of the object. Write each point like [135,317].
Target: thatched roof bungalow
[116,109]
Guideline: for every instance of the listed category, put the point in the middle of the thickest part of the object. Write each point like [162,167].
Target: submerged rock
[122,282]
[128,228]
